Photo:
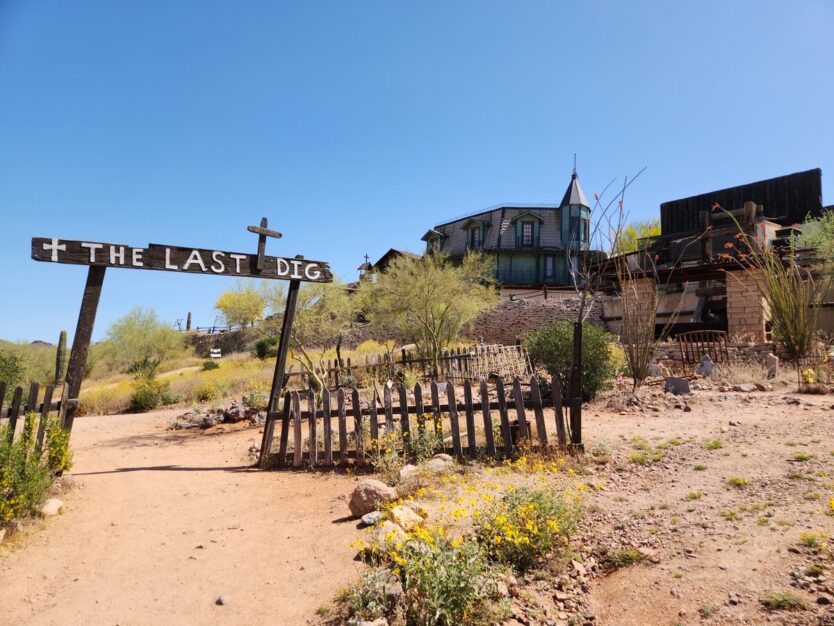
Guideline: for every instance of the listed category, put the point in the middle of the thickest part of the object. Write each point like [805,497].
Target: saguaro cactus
[188,322]
[61,358]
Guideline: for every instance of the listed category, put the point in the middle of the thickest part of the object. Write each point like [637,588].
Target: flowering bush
[525,525]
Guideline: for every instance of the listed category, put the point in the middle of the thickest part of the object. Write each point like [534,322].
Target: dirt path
[161,523]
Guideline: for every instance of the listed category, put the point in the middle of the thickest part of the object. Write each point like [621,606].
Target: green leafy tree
[324,312]
[139,342]
[818,233]
[242,306]
[628,239]
[430,299]
[12,370]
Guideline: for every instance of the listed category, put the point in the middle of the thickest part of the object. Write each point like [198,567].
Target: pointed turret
[573,194]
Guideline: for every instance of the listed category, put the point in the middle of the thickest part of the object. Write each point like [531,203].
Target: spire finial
[574,164]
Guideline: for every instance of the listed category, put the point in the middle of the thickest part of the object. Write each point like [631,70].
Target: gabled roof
[521,216]
[385,260]
[474,221]
[573,194]
[431,233]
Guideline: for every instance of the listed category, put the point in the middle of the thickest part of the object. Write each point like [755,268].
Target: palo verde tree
[430,299]
[324,312]
[139,342]
[242,306]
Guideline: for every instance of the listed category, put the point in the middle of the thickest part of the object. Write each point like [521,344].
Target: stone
[404,517]
[771,362]
[439,463]
[368,495]
[418,508]
[655,370]
[650,554]
[823,600]
[677,386]
[372,519]
[258,419]
[706,367]
[745,387]
[385,536]
[377,622]
[223,599]
[580,569]
[2,534]
[409,471]
[235,413]
[52,507]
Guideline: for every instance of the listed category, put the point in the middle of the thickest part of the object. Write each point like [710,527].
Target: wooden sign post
[99,256]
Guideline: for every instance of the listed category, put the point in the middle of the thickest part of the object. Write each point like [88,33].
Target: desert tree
[430,299]
[242,306]
[139,342]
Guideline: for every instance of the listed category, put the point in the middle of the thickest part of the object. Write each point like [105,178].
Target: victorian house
[533,244]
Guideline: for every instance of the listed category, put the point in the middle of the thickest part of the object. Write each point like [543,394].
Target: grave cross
[262,232]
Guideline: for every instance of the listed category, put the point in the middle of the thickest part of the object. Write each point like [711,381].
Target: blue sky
[355,126]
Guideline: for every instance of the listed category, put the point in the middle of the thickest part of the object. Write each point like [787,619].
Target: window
[475,238]
[527,233]
[548,267]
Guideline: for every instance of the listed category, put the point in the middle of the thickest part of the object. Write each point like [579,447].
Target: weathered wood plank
[357,425]
[298,442]
[178,259]
[420,409]
[435,409]
[327,430]
[453,419]
[340,400]
[285,434]
[506,436]
[45,409]
[523,430]
[488,434]
[374,423]
[14,409]
[81,345]
[556,386]
[389,411]
[538,411]
[2,397]
[405,427]
[32,400]
[472,447]
[313,434]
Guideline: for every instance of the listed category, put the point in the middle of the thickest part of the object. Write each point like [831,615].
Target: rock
[418,508]
[2,534]
[580,569]
[404,517]
[655,370]
[368,495]
[650,554]
[823,600]
[258,419]
[409,471]
[632,400]
[223,599]
[677,386]
[377,622]
[439,463]
[706,367]
[385,536]
[372,519]
[772,364]
[52,507]
[745,387]
[235,413]
[393,590]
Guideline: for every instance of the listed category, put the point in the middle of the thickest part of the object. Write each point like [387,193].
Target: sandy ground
[161,523]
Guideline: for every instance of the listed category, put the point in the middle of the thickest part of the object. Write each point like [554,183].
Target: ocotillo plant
[61,358]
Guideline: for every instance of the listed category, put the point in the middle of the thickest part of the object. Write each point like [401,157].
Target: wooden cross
[262,232]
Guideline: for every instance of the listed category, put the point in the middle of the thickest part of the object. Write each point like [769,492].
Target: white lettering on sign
[282,268]
[168,264]
[218,267]
[136,257]
[295,265]
[238,258]
[117,252]
[311,271]
[194,257]
[54,247]
[92,247]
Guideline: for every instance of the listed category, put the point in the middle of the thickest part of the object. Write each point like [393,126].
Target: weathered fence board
[515,415]
[31,409]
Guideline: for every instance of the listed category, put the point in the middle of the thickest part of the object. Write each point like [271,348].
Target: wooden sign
[179,259]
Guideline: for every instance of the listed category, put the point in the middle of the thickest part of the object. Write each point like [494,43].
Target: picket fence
[411,411]
[30,408]
[458,365]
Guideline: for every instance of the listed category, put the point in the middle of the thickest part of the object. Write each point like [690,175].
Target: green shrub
[206,391]
[256,397]
[58,452]
[524,526]
[622,557]
[552,349]
[210,365]
[424,444]
[366,599]
[24,474]
[12,369]
[786,601]
[263,347]
[147,394]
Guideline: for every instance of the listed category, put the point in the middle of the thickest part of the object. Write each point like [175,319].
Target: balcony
[525,277]
[526,242]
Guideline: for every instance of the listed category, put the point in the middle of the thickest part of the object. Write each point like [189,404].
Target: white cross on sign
[54,247]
